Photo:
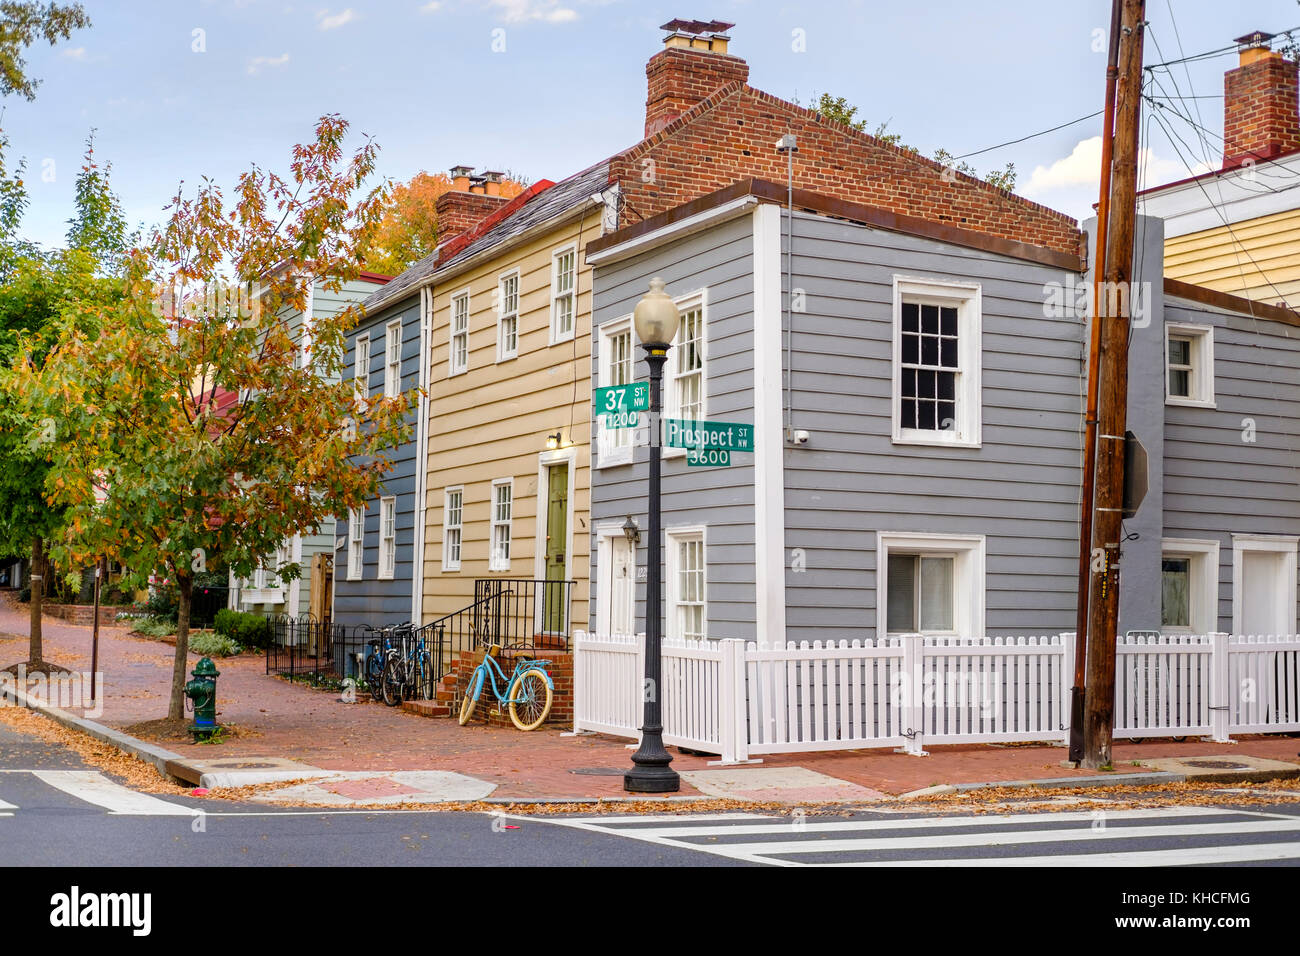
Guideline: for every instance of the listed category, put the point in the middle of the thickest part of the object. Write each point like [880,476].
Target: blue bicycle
[528,692]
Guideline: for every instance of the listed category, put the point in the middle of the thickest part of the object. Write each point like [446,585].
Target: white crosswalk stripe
[1083,838]
[91,786]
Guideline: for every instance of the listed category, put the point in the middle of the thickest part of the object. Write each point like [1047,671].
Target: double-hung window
[617,365]
[393,359]
[452,522]
[930,584]
[508,316]
[458,356]
[687,358]
[502,515]
[387,537]
[564,288]
[361,370]
[937,330]
[687,592]
[1189,365]
[356,543]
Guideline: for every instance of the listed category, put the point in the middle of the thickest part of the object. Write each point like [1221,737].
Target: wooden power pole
[1111,311]
[1090,420]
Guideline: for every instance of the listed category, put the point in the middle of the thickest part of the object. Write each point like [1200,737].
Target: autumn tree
[24,22]
[408,225]
[40,292]
[185,427]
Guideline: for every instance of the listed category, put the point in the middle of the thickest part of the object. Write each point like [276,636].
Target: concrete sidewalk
[279,726]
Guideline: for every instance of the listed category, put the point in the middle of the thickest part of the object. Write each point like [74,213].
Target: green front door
[554,598]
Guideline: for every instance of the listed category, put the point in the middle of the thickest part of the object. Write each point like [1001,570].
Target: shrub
[247,630]
[208,644]
[156,627]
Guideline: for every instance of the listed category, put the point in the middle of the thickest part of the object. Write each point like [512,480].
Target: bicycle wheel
[393,680]
[425,678]
[530,699]
[470,700]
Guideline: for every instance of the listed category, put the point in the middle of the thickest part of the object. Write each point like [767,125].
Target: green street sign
[625,418]
[707,457]
[632,397]
[724,436]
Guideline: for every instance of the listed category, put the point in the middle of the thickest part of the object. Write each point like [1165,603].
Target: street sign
[724,436]
[624,418]
[707,457]
[632,397]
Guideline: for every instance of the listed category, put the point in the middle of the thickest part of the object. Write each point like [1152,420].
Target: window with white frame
[361,369]
[508,316]
[1189,586]
[930,584]
[1189,365]
[387,537]
[937,330]
[393,359]
[356,543]
[452,511]
[458,356]
[617,365]
[686,369]
[502,514]
[564,281]
[687,586]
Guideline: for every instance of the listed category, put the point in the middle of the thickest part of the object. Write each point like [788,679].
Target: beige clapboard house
[507,487]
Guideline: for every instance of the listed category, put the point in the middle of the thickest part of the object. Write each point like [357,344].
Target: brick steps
[447,693]
[427,708]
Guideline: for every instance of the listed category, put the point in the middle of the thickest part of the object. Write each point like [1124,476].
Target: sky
[179,90]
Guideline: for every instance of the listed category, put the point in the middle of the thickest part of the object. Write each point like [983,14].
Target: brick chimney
[1261,104]
[693,65]
[470,200]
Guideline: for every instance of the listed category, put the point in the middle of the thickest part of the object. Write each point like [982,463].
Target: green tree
[40,292]
[839,109]
[24,22]
[186,428]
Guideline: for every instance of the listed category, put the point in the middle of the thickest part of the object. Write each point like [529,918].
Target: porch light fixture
[631,532]
[553,441]
[656,319]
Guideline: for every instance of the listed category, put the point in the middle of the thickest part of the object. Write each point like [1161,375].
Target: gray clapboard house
[918,430]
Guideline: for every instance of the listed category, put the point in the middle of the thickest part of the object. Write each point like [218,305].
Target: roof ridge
[458,243]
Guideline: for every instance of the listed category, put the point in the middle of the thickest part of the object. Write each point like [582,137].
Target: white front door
[619,592]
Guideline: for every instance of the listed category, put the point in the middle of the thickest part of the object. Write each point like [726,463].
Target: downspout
[419,512]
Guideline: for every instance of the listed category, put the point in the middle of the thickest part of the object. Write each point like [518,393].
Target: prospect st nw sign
[706,443]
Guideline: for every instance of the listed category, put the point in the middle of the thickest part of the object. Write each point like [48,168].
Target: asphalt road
[54,811]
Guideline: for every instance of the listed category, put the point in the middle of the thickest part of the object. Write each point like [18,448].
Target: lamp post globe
[656,319]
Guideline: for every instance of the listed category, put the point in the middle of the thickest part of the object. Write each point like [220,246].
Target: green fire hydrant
[202,692]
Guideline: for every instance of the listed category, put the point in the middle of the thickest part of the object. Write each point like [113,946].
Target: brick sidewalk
[277,718]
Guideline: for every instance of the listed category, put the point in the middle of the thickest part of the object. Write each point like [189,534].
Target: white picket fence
[736,698]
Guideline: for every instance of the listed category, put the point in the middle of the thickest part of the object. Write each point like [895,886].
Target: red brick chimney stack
[470,200]
[1261,104]
[693,65]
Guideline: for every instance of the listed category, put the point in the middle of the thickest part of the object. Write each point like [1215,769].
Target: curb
[166,762]
[1148,779]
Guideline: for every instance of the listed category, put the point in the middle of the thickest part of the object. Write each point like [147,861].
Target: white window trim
[671,407]
[1201,379]
[672,537]
[502,354]
[1284,544]
[558,337]
[360,370]
[357,546]
[452,368]
[387,573]
[447,563]
[606,535]
[607,457]
[967,297]
[494,563]
[968,575]
[392,380]
[1203,582]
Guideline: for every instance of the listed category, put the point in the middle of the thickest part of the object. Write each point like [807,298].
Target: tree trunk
[176,708]
[38,574]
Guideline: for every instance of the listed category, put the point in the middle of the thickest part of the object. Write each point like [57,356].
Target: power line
[989,149]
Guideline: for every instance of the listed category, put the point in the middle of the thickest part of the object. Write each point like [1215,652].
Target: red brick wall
[460,211]
[83,614]
[732,135]
[1261,110]
[451,687]
[677,79]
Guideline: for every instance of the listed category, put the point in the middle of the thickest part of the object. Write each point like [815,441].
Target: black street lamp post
[656,319]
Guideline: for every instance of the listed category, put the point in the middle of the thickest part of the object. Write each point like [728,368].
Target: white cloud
[432,7]
[1083,168]
[75,53]
[257,62]
[332,21]
[522,11]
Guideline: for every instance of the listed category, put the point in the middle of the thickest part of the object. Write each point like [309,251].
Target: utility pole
[1111,312]
[1090,420]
